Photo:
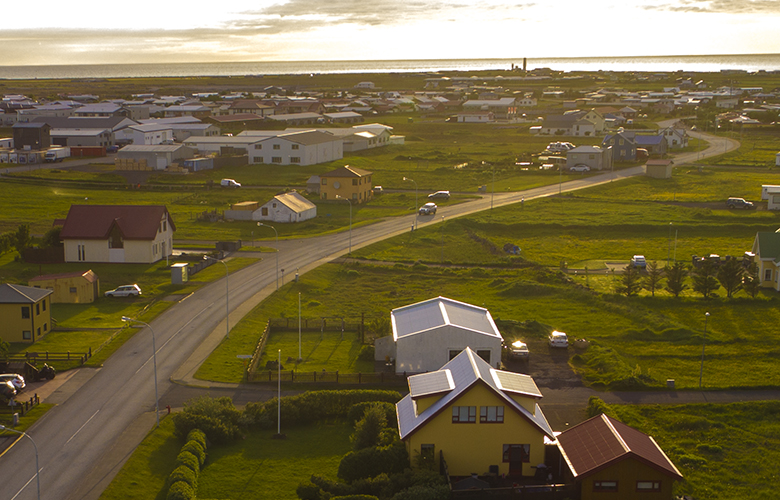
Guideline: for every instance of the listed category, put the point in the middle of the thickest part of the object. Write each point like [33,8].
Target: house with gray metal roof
[474,417]
[428,334]
[25,313]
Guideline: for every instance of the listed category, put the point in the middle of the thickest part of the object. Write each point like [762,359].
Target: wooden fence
[46,356]
[18,406]
[375,378]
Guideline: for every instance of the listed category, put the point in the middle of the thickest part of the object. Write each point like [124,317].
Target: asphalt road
[102,415]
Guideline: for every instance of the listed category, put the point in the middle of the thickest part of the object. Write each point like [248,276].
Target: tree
[675,278]
[751,282]
[730,276]
[652,280]
[704,278]
[22,237]
[368,430]
[52,238]
[630,283]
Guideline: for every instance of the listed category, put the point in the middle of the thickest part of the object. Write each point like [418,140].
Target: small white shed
[287,207]
[429,334]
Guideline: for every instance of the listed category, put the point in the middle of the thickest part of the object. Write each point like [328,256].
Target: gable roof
[346,171]
[441,311]
[89,275]
[767,245]
[463,372]
[21,294]
[94,222]
[295,202]
[603,441]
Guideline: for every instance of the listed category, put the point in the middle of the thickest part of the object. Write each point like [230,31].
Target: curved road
[103,414]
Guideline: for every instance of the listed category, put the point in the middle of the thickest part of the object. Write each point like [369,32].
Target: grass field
[327,351]
[724,451]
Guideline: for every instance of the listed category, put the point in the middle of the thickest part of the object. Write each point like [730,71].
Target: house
[476,117]
[282,208]
[571,123]
[25,313]
[33,135]
[343,117]
[659,169]
[612,460]
[346,183]
[676,138]
[101,137]
[766,248]
[80,287]
[101,110]
[623,146]
[195,110]
[593,156]
[117,233]
[146,134]
[307,147]
[428,334]
[654,144]
[477,419]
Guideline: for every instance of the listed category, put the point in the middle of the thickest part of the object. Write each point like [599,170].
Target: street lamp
[37,469]
[669,250]
[227,292]
[277,251]
[703,342]
[154,356]
[415,200]
[350,221]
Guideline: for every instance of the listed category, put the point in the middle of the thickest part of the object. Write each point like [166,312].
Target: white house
[282,208]
[297,148]
[140,234]
[476,117]
[428,334]
[593,156]
[146,134]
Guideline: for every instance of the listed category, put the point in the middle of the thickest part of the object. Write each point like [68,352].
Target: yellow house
[610,460]
[81,287]
[477,418]
[766,248]
[346,182]
[25,313]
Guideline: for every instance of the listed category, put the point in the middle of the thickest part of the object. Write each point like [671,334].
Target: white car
[124,291]
[559,339]
[378,189]
[638,261]
[580,168]
[229,183]
[428,209]
[15,379]
[518,350]
[439,195]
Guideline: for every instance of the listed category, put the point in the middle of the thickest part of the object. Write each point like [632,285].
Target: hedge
[183,480]
[359,410]
[180,491]
[370,462]
[185,474]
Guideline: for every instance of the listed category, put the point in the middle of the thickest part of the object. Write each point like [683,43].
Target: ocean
[712,63]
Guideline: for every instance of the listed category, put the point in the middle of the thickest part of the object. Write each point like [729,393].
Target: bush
[370,462]
[369,428]
[359,410]
[309,491]
[189,460]
[429,492]
[356,497]
[196,449]
[198,436]
[366,353]
[185,474]
[180,491]
[217,418]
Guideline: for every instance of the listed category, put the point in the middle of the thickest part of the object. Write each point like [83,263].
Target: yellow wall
[85,293]
[627,473]
[13,326]
[472,448]
[362,191]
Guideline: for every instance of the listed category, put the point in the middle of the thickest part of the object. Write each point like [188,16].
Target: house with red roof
[79,287]
[609,459]
[140,234]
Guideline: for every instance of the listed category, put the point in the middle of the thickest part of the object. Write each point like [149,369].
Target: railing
[46,356]
[20,407]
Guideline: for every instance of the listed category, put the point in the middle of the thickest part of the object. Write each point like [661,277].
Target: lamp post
[37,469]
[442,239]
[350,221]
[703,342]
[669,250]
[415,200]
[154,357]
[277,250]
[227,293]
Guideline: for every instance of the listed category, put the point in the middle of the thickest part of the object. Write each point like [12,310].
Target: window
[517,453]
[82,251]
[273,205]
[484,354]
[768,275]
[491,414]
[648,486]
[25,312]
[258,146]
[45,327]
[39,332]
[276,159]
[464,414]
[354,182]
[44,304]
[277,146]
[295,159]
[295,146]
[427,453]
[27,335]
[324,181]
[453,353]
[265,211]
[605,486]
[37,309]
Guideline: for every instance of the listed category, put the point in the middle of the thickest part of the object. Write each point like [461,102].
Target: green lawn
[327,351]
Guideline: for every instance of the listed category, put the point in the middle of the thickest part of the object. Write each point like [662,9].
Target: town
[392,286]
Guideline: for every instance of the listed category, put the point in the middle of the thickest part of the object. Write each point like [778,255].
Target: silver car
[15,379]
[124,291]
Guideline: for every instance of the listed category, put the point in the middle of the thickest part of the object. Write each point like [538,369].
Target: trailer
[57,154]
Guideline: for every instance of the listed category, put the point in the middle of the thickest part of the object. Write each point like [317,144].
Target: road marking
[85,424]
[26,484]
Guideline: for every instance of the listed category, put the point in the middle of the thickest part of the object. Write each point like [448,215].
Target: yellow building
[477,418]
[346,182]
[25,313]
[81,287]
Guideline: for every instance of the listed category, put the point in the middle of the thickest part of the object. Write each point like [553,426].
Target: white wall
[430,350]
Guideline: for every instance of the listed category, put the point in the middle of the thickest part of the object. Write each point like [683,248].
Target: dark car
[739,203]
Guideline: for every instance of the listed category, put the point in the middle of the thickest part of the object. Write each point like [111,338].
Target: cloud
[762,7]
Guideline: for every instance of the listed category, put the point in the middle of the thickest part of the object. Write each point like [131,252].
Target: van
[229,183]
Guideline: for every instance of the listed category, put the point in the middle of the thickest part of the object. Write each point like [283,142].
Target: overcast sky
[144,31]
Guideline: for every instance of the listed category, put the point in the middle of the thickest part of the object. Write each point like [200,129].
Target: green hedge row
[183,481]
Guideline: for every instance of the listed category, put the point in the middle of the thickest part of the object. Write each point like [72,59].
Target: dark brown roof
[602,441]
[94,222]
[346,171]
[87,275]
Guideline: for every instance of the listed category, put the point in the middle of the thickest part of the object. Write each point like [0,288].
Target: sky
[166,31]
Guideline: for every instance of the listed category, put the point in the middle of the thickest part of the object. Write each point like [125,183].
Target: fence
[32,357]
[20,407]
[328,377]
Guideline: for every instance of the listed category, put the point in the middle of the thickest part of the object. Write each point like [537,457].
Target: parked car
[559,147]
[558,339]
[428,209]
[7,390]
[638,261]
[739,203]
[15,379]
[439,195]
[378,190]
[580,168]
[518,350]
[124,291]
[229,183]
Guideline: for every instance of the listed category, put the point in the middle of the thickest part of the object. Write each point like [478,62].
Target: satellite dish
[337,184]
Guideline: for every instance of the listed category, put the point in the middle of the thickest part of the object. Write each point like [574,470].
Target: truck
[56,154]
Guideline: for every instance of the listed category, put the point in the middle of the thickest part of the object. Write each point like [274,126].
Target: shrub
[369,428]
[189,460]
[196,449]
[217,418]
[309,491]
[198,436]
[370,462]
[180,491]
[424,492]
[359,410]
[185,474]
[366,353]
[356,497]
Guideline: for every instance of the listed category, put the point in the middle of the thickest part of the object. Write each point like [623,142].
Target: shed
[287,207]
[428,334]
[180,273]
[80,287]
[659,169]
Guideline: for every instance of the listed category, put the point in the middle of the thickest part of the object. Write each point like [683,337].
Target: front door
[516,455]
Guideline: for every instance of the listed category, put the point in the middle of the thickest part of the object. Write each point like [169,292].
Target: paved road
[103,414]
